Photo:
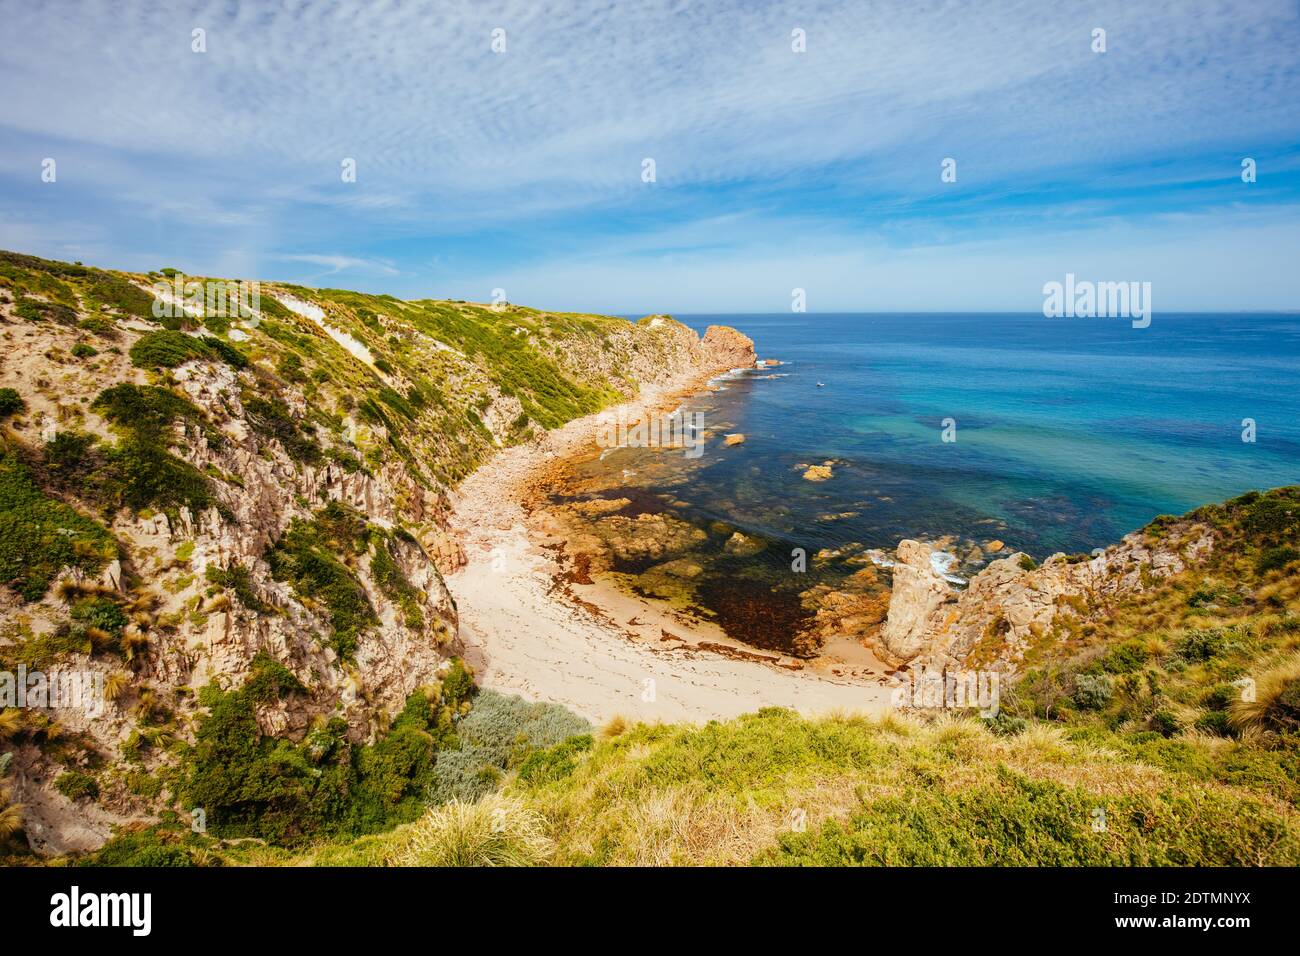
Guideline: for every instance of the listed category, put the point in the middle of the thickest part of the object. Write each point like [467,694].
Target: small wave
[941,561]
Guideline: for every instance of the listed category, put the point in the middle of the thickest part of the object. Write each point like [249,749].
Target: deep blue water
[1070,432]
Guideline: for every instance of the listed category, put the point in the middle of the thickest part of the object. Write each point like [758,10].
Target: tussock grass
[777,788]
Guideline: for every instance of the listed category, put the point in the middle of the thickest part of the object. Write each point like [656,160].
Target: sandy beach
[529,629]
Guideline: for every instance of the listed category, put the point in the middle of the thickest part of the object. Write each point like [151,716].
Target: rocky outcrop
[917,605]
[725,348]
[1011,602]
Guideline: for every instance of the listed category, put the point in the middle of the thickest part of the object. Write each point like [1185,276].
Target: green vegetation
[11,403]
[270,417]
[500,735]
[168,349]
[76,785]
[238,579]
[315,557]
[251,785]
[40,535]
[144,473]
[393,583]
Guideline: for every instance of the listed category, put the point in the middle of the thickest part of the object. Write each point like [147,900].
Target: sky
[522,167]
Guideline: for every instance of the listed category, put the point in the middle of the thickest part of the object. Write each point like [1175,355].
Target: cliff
[190,495]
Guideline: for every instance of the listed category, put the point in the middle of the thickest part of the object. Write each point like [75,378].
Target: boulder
[919,593]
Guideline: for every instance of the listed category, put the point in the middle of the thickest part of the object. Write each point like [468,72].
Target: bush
[499,734]
[1165,723]
[77,786]
[1276,559]
[1125,658]
[271,418]
[1093,691]
[307,556]
[1215,722]
[169,348]
[146,474]
[84,350]
[41,535]
[11,403]
[153,847]
[1201,646]
[253,785]
[240,580]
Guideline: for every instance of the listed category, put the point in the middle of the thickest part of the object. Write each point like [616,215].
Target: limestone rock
[915,606]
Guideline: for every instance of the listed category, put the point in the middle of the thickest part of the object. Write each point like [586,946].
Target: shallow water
[1069,432]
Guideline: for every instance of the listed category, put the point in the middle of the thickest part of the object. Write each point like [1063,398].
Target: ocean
[1062,435]
[1068,433]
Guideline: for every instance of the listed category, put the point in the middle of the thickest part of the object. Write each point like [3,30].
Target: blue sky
[521,170]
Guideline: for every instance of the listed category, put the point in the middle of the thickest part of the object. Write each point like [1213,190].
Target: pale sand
[597,651]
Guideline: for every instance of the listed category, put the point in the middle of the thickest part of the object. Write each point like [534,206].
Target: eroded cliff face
[272,485]
[1012,604]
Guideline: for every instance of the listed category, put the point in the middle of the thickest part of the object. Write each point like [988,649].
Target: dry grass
[1256,714]
[496,831]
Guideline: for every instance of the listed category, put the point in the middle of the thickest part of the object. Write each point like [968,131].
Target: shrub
[11,403]
[84,350]
[271,418]
[240,580]
[169,348]
[1273,515]
[40,535]
[554,763]
[1093,691]
[1276,559]
[254,785]
[152,847]
[1200,646]
[1125,658]
[394,584]
[76,785]
[101,612]
[1215,722]
[307,556]
[499,734]
[1026,562]
[146,474]
[1165,723]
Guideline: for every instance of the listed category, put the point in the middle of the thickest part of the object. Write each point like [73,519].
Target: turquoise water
[1069,432]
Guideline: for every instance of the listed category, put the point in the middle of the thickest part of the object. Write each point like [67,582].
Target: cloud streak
[489,161]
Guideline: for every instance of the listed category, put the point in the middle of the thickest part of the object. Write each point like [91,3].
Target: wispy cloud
[339,263]
[499,162]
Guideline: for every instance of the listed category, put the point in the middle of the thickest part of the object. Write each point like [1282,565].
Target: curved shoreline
[529,629]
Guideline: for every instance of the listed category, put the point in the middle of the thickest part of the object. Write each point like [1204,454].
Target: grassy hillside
[193,497]
[1129,744]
